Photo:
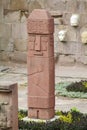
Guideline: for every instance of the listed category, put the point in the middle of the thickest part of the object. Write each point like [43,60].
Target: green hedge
[78,87]
[72,120]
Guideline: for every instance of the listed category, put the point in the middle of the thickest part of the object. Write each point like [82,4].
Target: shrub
[61,89]
[78,87]
[72,120]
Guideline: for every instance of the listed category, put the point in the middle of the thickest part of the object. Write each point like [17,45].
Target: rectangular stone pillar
[8,107]
[41,77]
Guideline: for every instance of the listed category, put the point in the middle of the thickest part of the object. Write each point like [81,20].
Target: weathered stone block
[5,30]
[12,16]
[72,34]
[68,48]
[66,60]
[71,6]
[58,21]
[55,5]
[56,14]
[6,45]
[19,5]
[41,2]
[4,56]
[56,47]
[83,19]
[8,106]
[20,44]
[66,18]
[18,56]
[82,6]
[19,31]
[82,59]
[6,4]
[35,4]
[1,11]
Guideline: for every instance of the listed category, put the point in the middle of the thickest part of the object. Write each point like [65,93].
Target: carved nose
[37,43]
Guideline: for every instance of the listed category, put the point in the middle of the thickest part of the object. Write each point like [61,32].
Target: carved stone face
[84,37]
[40,45]
[62,35]
[74,20]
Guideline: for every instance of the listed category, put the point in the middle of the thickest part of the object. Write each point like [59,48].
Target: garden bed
[72,120]
[72,90]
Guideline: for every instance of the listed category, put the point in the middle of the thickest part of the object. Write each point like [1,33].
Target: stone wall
[13,32]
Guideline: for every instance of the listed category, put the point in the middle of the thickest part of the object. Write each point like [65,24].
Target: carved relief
[62,35]
[41,45]
[5,115]
[74,20]
[41,93]
[84,37]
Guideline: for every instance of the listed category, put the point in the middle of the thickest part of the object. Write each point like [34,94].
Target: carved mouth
[38,53]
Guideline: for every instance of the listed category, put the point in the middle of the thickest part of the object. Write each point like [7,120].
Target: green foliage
[61,89]
[74,109]
[72,120]
[22,114]
[78,87]
[66,118]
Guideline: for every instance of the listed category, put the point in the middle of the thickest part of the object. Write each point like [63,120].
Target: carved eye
[31,42]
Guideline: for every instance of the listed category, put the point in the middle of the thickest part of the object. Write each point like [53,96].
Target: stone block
[68,48]
[41,3]
[5,30]
[82,59]
[72,34]
[56,14]
[19,30]
[71,6]
[12,16]
[58,21]
[82,6]
[19,5]
[20,44]
[42,113]
[4,56]
[1,11]
[66,18]
[35,4]
[56,34]
[6,45]
[8,106]
[84,50]
[55,47]
[83,19]
[6,4]
[55,5]
[66,60]
[18,56]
